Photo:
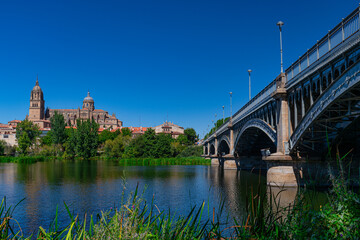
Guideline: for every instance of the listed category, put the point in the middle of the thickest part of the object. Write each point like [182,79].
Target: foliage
[182,139]
[23,159]
[191,151]
[70,143]
[162,146]
[191,135]
[58,128]
[108,135]
[126,132]
[86,138]
[52,150]
[26,134]
[2,147]
[217,125]
[47,140]
[116,148]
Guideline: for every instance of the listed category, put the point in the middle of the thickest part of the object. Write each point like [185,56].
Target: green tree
[86,138]
[162,146]
[116,148]
[58,128]
[47,140]
[136,148]
[191,135]
[2,147]
[26,134]
[70,144]
[126,132]
[149,143]
[106,135]
[182,139]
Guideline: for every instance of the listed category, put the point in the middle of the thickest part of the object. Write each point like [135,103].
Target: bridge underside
[336,129]
[252,141]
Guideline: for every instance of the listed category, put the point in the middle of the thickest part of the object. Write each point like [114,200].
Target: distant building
[8,132]
[170,128]
[41,117]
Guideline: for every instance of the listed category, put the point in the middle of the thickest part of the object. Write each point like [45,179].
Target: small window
[6,136]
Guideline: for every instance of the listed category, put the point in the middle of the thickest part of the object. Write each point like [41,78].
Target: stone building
[170,128]
[8,132]
[41,117]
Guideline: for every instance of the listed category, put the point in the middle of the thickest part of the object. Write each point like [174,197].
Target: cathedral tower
[37,103]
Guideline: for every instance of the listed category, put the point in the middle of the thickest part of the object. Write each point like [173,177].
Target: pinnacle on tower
[37,80]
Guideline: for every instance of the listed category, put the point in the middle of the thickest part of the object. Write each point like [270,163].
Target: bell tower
[37,103]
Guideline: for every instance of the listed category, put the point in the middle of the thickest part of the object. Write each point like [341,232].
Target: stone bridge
[312,107]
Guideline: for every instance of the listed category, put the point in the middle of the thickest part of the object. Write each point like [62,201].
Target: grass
[125,162]
[165,161]
[23,159]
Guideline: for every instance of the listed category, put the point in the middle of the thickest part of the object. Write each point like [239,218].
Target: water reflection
[92,186]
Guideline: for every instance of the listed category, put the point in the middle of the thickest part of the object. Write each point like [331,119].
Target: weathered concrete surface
[230,165]
[215,162]
[278,156]
[281,176]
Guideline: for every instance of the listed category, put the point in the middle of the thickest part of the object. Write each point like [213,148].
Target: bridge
[312,107]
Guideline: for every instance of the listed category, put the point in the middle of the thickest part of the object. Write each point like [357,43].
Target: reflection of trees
[236,187]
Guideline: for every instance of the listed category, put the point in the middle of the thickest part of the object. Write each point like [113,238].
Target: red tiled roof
[99,110]
[63,110]
[15,121]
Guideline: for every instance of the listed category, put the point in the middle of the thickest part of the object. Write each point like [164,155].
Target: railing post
[317,50]
[342,30]
[308,60]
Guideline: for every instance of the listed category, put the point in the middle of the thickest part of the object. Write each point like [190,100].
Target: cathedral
[41,117]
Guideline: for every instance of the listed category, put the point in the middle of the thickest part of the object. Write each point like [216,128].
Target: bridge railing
[256,101]
[336,36]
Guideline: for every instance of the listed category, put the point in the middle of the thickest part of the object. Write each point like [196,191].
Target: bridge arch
[255,135]
[212,149]
[224,146]
[206,151]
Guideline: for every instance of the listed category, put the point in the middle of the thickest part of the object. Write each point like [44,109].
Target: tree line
[85,142]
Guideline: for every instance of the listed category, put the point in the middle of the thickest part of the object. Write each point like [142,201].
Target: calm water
[93,186]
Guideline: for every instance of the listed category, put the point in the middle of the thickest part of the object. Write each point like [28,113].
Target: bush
[191,151]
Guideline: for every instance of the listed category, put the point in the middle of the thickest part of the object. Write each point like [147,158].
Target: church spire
[37,80]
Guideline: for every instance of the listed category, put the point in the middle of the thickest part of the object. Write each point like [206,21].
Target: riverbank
[125,162]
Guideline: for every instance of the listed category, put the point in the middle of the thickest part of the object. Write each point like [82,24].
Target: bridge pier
[281,176]
[215,161]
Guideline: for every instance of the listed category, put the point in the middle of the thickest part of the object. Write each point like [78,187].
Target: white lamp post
[280,24]
[249,71]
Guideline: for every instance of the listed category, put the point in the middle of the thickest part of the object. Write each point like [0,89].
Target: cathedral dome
[37,88]
[88,98]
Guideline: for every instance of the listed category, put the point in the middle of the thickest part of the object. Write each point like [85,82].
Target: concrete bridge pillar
[216,145]
[282,128]
[231,147]
[208,148]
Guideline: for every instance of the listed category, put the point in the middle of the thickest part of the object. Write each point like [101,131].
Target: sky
[152,61]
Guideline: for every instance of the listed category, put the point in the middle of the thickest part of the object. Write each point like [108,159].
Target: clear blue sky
[144,60]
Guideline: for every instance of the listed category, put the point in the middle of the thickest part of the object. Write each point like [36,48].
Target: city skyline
[152,62]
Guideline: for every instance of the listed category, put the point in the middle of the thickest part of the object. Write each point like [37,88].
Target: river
[94,186]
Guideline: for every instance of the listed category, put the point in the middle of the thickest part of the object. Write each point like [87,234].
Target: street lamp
[280,24]
[231,107]
[223,113]
[215,122]
[249,71]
